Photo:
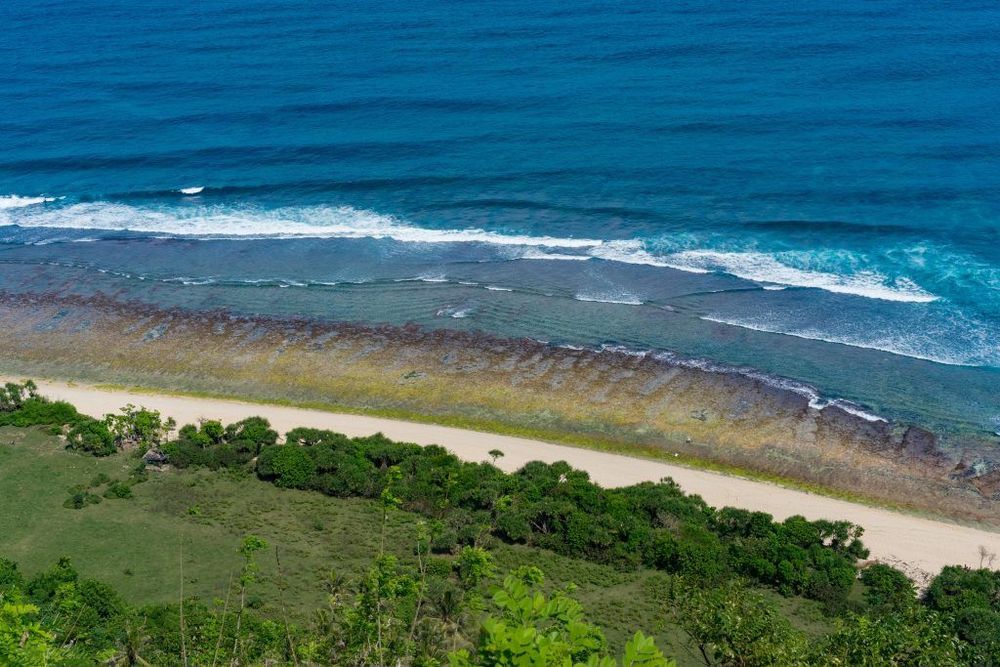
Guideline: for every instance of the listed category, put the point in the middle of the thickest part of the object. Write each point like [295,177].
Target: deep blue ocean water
[809,189]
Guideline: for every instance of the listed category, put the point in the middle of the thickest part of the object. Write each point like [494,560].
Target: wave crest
[345,222]
[17,201]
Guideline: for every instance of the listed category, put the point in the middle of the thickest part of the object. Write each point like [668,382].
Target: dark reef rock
[921,444]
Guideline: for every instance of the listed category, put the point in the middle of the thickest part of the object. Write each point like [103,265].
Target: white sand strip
[918,545]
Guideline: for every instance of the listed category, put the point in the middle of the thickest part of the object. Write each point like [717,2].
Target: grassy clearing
[135,544]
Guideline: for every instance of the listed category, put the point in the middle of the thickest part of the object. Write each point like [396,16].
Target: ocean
[805,190]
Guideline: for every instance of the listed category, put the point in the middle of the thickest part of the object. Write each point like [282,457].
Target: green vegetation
[573,438]
[435,561]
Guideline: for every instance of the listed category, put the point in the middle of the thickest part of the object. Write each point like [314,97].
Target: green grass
[136,544]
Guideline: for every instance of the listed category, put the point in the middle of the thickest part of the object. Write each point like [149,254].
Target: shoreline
[919,545]
[640,404]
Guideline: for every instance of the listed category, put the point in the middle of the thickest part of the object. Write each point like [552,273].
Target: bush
[41,412]
[887,587]
[99,479]
[80,499]
[12,395]
[187,453]
[91,436]
[43,586]
[10,576]
[956,588]
[137,427]
[251,435]
[288,466]
[971,599]
[119,490]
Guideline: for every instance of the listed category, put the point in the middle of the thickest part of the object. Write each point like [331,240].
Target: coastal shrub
[887,587]
[43,586]
[213,431]
[956,588]
[41,412]
[21,406]
[309,437]
[213,446]
[914,635]
[137,427]
[288,466]
[979,629]
[92,437]
[556,507]
[13,395]
[970,598]
[732,625]
[250,435]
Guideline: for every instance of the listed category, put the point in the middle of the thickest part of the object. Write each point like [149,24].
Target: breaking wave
[345,222]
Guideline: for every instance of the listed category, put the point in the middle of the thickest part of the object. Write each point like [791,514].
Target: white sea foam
[634,252]
[192,191]
[622,349]
[184,280]
[766,268]
[455,312]
[495,288]
[246,223]
[901,346]
[422,279]
[17,201]
[534,253]
[811,394]
[625,300]
[850,408]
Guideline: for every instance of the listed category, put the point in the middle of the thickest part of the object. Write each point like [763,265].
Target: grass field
[137,544]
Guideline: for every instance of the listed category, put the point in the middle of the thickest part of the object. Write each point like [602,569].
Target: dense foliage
[392,616]
[559,508]
[449,607]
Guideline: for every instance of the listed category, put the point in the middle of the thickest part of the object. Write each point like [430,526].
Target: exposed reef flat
[609,395]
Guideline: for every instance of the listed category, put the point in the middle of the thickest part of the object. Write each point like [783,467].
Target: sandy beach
[919,545]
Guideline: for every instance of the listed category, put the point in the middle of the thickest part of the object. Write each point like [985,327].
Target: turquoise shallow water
[813,191]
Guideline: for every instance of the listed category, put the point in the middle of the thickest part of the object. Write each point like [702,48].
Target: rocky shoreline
[609,395]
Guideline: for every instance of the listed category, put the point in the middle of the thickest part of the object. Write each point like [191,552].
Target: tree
[137,427]
[24,642]
[377,626]
[250,435]
[495,454]
[248,574]
[912,636]
[731,625]
[528,629]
